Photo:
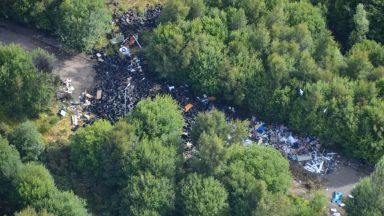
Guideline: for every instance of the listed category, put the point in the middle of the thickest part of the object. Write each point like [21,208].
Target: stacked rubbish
[303,150]
[120,84]
[132,21]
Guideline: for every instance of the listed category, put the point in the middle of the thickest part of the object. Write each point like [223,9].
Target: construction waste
[306,151]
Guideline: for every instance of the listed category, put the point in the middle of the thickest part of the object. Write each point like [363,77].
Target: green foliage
[152,156]
[202,196]
[37,12]
[174,10]
[304,12]
[368,194]
[66,204]
[158,118]
[211,154]
[10,165]
[10,162]
[197,8]
[341,18]
[42,60]
[361,25]
[32,212]
[146,194]
[24,90]
[28,141]
[263,163]
[87,145]
[33,183]
[214,123]
[82,24]
[292,205]
[245,191]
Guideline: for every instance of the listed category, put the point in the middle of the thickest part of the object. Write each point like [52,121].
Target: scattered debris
[337,197]
[62,113]
[295,148]
[188,107]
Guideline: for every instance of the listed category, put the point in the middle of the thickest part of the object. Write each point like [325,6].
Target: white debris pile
[303,150]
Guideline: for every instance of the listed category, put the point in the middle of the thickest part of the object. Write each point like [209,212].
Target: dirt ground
[76,67]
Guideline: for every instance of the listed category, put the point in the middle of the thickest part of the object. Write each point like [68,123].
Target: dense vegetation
[79,24]
[369,194]
[146,174]
[316,66]
[26,88]
[278,60]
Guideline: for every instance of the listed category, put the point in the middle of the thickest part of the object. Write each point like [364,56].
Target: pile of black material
[132,21]
[115,77]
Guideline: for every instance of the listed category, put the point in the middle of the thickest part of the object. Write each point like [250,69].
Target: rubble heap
[132,21]
[303,150]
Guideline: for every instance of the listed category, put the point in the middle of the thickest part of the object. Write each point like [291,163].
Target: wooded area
[316,66]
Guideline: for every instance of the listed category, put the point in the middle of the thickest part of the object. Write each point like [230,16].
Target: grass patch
[54,128]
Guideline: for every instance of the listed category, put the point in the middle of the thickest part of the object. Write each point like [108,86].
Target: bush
[28,141]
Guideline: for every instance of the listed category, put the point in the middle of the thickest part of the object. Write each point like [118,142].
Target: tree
[202,196]
[86,147]
[36,12]
[146,194]
[24,91]
[197,8]
[66,204]
[32,212]
[245,191]
[10,165]
[236,19]
[82,24]
[211,155]
[33,184]
[304,12]
[115,152]
[10,162]
[152,156]
[368,194]
[28,141]
[214,123]
[361,25]
[174,10]
[43,60]
[158,118]
[263,163]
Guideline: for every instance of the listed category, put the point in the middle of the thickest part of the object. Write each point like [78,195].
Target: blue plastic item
[261,128]
[337,197]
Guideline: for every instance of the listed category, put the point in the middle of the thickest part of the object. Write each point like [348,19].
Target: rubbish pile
[132,21]
[77,109]
[337,198]
[120,84]
[303,150]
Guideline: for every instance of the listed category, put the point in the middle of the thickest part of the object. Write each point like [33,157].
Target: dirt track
[76,67]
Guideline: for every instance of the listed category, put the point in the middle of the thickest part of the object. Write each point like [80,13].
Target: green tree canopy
[24,91]
[263,163]
[66,204]
[34,183]
[158,118]
[87,145]
[203,196]
[83,23]
[368,194]
[28,141]
[32,212]
[361,25]
[146,194]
